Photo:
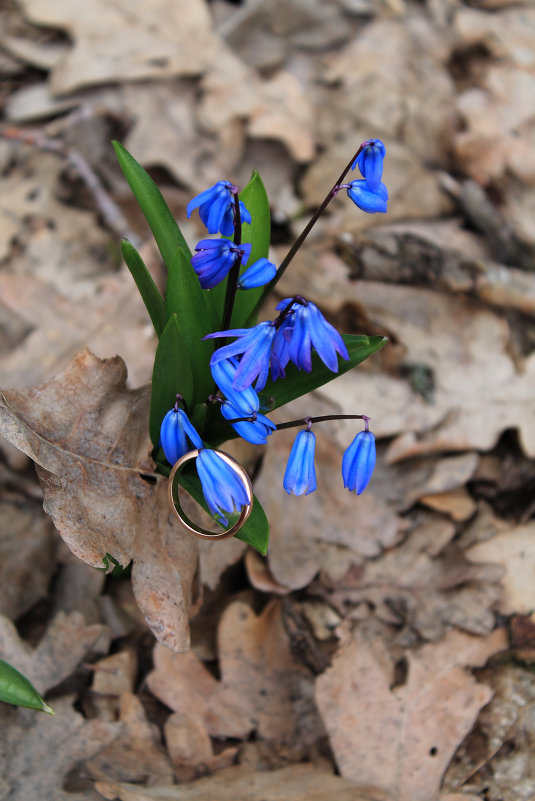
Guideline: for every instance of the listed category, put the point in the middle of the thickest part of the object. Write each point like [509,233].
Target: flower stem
[308,228]
[234,274]
[307,421]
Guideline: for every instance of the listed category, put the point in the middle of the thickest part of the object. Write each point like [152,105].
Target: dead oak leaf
[262,687]
[294,783]
[64,645]
[86,433]
[122,41]
[38,751]
[403,739]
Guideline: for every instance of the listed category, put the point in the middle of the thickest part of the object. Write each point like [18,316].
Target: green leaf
[255,531]
[163,225]
[16,689]
[297,383]
[185,298]
[171,374]
[147,288]
[258,233]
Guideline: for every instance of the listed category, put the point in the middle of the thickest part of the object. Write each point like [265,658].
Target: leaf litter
[359,644]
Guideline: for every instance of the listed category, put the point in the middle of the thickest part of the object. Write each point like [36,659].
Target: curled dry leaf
[64,645]
[294,783]
[38,751]
[515,551]
[402,739]
[262,687]
[87,435]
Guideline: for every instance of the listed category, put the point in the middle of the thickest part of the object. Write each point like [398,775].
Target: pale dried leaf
[65,644]
[403,739]
[136,754]
[294,783]
[119,42]
[514,550]
[115,674]
[262,686]
[26,558]
[85,430]
[38,751]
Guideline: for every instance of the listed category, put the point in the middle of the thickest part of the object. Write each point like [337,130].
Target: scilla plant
[218,372]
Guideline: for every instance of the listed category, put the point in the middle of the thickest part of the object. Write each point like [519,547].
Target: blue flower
[215,257]
[254,347]
[216,208]
[256,431]
[258,274]
[280,353]
[222,488]
[308,329]
[363,197]
[358,462]
[370,163]
[300,475]
[175,431]
[245,400]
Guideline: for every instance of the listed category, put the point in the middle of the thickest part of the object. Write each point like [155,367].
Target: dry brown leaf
[294,783]
[181,682]
[37,752]
[65,644]
[457,503]
[508,34]
[136,755]
[115,674]
[404,86]
[26,558]
[403,739]
[445,474]
[121,42]
[190,748]
[86,431]
[423,585]
[301,544]
[262,686]
[514,550]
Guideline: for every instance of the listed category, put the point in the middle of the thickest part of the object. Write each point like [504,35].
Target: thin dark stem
[303,421]
[234,274]
[308,228]
[307,421]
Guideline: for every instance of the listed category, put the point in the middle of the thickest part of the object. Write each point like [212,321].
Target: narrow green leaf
[255,531]
[163,225]
[147,288]
[171,374]
[297,383]
[16,689]
[185,298]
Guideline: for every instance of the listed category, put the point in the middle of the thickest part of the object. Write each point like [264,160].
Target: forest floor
[384,649]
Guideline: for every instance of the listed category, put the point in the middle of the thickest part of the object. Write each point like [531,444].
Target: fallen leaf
[190,748]
[262,687]
[422,584]
[136,754]
[402,739]
[26,558]
[37,752]
[115,43]
[84,429]
[294,783]
[115,674]
[66,642]
[514,550]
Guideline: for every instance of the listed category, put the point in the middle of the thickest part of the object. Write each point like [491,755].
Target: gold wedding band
[184,520]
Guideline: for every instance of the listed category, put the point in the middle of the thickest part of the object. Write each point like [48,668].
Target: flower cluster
[300,335]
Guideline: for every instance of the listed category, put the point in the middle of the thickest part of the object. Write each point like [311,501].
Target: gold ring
[184,520]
